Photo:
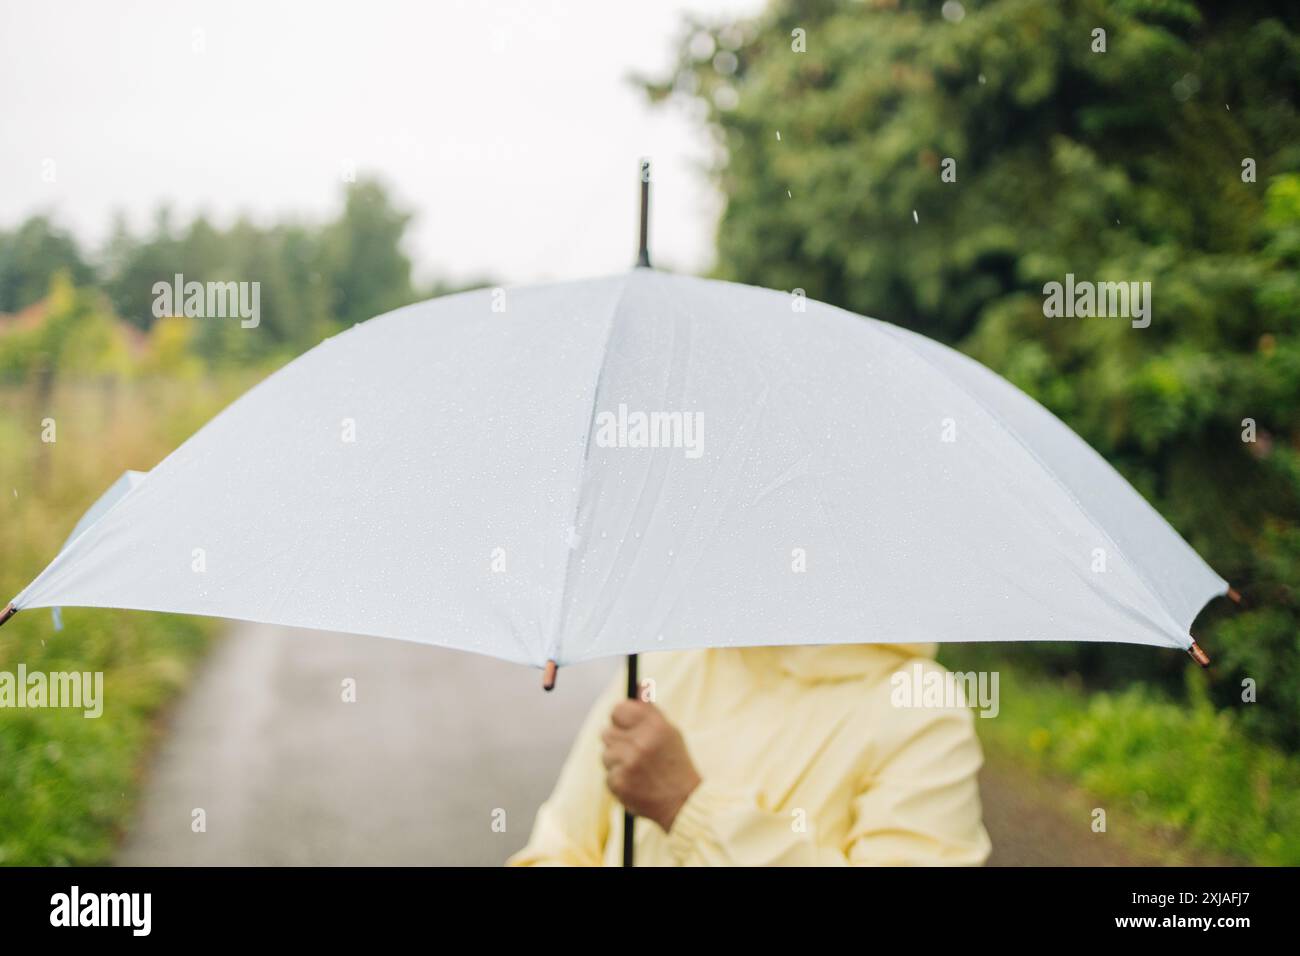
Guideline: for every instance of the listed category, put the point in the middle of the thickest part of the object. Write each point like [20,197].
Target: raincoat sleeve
[917,805]
[572,826]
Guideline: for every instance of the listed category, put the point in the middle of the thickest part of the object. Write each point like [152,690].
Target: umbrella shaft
[629,821]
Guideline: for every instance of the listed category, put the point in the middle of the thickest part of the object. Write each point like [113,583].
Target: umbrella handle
[629,820]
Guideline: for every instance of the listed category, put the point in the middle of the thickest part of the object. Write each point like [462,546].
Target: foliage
[31,256]
[1130,749]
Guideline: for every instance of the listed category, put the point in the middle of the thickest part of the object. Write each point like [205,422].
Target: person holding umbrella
[768,756]
[938,502]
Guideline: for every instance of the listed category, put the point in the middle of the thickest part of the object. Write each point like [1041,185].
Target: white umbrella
[555,473]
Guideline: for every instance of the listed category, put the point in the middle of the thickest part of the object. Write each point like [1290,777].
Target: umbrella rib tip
[548,676]
[8,612]
[1199,655]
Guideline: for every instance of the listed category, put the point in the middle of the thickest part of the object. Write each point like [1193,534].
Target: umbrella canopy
[116,492]
[640,462]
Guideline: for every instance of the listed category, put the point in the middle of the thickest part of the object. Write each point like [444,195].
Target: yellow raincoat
[804,759]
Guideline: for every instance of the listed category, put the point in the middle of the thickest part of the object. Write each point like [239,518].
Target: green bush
[1180,765]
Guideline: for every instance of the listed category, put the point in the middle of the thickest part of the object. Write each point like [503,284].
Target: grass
[67,783]
[1176,767]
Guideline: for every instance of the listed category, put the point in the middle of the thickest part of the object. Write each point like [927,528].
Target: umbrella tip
[1234,595]
[643,250]
[1199,655]
[548,676]
[8,612]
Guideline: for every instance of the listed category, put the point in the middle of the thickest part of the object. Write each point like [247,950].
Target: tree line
[314,280]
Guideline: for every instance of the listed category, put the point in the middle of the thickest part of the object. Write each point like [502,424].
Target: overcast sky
[508,127]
